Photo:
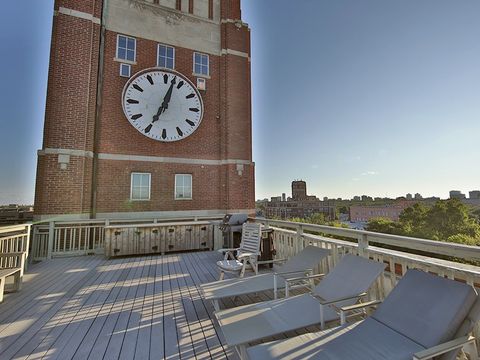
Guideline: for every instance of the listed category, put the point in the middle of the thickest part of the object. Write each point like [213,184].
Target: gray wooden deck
[130,308]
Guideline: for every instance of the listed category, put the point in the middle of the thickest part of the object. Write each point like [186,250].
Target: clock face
[162,104]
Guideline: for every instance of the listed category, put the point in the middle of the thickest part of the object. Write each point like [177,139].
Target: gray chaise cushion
[426,308]
[368,340]
[351,276]
[308,258]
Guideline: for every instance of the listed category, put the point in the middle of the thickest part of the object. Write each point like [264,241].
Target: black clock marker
[136,116]
[164,133]
[165,78]
[194,109]
[189,122]
[180,84]
[150,80]
[179,131]
[131,101]
[190,96]
[148,128]
[137,87]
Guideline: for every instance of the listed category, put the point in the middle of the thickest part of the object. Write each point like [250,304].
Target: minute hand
[168,95]
[166,100]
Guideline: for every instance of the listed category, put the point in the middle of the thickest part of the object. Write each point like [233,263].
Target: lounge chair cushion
[408,308]
[247,323]
[308,258]
[368,340]
[351,276]
[239,286]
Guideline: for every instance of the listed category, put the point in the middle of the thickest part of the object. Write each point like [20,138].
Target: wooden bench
[11,264]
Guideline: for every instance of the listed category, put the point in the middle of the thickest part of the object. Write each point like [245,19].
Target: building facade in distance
[299,205]
[148,111]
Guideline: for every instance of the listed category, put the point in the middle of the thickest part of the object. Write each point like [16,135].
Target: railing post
[299,237]
[27,246]
[363,245]
[51,236]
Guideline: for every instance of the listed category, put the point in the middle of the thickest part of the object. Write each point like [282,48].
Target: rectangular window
[126,48]
[166,56]
[183,186]
[200,64]
[125,70]
[140,186]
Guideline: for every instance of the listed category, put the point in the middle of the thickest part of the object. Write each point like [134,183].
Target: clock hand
[168,95]
[166,100]
[157,115]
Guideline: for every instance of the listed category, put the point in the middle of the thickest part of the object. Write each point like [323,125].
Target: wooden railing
[398,252]
[83,237]
[15,239]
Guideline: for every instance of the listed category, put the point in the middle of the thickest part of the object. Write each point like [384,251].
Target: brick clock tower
[148,111]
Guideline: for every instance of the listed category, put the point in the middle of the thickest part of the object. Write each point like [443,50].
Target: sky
[355,97]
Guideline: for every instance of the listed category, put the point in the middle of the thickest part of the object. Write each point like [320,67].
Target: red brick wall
[70,111]
[225,132]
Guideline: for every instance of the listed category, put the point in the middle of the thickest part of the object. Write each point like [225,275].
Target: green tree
[385,226]
[447,220]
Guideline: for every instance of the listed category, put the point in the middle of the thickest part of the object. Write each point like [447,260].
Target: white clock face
[162,104]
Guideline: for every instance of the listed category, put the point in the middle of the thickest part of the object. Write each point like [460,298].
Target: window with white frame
[126,48]
[166,56]
[200,64]
[140,186]
[125,70]
[183,186]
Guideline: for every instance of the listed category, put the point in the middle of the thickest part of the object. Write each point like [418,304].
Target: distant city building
[475,194]
[299,205]
[15,214]
[417,197]
[409,196]
[356,198]
[455,194]
[363,213]
[284,197]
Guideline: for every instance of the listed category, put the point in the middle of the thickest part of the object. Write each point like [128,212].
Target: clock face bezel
[179,75]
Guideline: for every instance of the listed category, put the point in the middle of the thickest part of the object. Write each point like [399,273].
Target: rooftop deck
[128,308]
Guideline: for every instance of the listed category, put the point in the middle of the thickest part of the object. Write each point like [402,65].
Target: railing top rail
[123,221]
[15,228]
[435,247]
[160,224]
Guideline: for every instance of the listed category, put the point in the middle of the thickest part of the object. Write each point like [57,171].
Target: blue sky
[355,97]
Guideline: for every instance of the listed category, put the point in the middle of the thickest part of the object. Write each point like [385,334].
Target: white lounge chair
[300,264]
[246,255]
[424,316]
[344,285]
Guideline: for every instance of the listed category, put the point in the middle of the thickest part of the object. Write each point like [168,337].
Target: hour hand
[157,115]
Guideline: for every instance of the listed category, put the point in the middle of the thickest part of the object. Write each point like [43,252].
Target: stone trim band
[158,159]
[77,14]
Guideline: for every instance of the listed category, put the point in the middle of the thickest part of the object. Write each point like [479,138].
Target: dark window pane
[198,69]
[170,63]
[170,52]
[121,53]
[161,50]
[122,41]
[130,55]
[131,44]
